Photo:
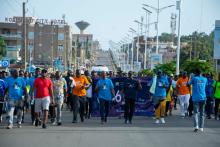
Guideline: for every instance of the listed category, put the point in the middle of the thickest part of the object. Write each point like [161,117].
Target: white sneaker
[19,124]
[162,120]
[157,121]
[10,126]
[201,129]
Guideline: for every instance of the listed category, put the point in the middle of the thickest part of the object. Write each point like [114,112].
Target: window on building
[60,58]
[60,47]
[30,35]
[60,36]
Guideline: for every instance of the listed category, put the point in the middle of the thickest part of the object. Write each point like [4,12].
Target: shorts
[42,104]
[158,99]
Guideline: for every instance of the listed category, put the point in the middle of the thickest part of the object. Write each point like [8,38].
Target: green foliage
[146,72]
[199,44]
[204,66]
[165,37]
[168,68]
[2,48]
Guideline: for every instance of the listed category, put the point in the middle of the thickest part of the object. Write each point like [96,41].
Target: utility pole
[24,36]
[52,54]
[178,41]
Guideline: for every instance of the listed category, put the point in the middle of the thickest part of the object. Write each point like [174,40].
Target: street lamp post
[132,51]
[146,35]
[178,7]
[158,10]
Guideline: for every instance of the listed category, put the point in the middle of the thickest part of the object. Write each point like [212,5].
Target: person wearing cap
[44,96]
[79,96]
[183,93]
[130,88]
[159,97]
[198,83]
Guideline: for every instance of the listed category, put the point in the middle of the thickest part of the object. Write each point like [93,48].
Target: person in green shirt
[216,86]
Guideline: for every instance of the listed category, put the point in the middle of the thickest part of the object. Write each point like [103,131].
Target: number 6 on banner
[117,97]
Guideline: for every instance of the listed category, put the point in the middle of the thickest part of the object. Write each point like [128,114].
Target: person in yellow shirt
[79,96]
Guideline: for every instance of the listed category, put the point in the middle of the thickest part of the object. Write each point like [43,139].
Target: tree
[199,45]
[204,66]
[168,68]
[2,48]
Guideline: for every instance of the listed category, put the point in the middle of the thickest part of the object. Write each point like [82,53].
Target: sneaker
[36,123]
[59,123]
[126,122]
[54,123]
[201,129]
[162,120]
[10,126]
[33,123]
[19,124]
[44,126]
[157,121]
[196,130]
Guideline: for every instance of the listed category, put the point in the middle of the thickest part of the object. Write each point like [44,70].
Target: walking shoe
[162,120]
[59,123]
[201,129]
[126,122]
[196,129]
[10,126]
[36,123]
[19,124]
[44,126]
[157,121]
[33,123]
[54,123]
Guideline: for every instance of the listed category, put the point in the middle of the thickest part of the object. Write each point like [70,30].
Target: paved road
[104,58]
[177,132]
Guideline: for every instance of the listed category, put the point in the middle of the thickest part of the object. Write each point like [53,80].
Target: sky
[111,19]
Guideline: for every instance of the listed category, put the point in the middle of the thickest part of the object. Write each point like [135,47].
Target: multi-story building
[82,44]
[48,42]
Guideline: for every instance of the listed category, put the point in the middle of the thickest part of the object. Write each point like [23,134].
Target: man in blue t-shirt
[15,92]
[130,88]
[2,94]
[198,83]
[105,90]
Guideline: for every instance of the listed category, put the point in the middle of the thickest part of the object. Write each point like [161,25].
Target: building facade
[48,43]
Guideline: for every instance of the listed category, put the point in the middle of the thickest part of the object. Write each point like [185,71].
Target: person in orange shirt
[79,96]
[183,93]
